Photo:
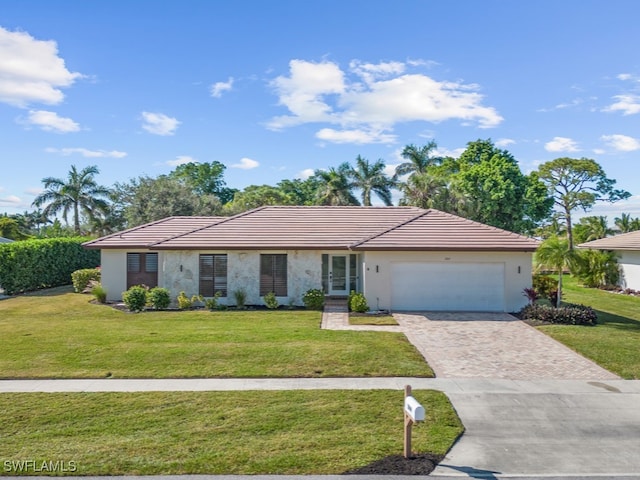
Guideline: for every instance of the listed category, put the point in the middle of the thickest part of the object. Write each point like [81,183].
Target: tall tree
[578,183]
[419,159]
[334,186]
[591,228]
[301,192]
[370,178]
[255,196]
[10,228]
[205,179]
[495,190]
[555,254]
[149,199]
[79,193]
[626,224]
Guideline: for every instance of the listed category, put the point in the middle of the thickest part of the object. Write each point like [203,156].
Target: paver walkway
[483,345]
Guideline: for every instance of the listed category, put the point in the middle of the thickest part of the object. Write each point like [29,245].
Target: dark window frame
[212,269]
[273,274]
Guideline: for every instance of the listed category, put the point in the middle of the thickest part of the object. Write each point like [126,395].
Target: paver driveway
[493,345]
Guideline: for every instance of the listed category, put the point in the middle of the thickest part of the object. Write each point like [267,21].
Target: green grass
[60,334]
[615,342]
[295,432]
[372,320]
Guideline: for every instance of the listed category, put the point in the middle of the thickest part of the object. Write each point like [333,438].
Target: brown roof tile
[144,235]
[624,241]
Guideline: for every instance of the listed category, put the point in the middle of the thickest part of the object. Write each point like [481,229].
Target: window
[273,274]
[142,269]
[213,275]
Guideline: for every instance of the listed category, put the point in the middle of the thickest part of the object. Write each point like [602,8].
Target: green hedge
[34,264]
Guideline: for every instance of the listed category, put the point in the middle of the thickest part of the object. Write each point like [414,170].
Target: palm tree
[371,179]
[419,159]
[334,186]
[555,254]
[591,228]
[79,193]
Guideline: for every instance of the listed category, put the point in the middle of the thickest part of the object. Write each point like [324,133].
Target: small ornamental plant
[313,299]
[135,298]
[185,302]
[212,303]
[271,301]
[358,303]
[159,298]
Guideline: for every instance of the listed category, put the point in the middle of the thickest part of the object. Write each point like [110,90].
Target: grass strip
[249,432]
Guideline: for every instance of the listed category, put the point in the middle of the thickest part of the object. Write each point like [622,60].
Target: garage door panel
[447,286]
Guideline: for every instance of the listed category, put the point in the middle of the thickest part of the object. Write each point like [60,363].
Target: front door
[338,275]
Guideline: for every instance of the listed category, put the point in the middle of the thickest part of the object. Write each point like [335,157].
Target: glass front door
[338,275]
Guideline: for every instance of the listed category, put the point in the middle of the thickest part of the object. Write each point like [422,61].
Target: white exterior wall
[377,284]
[629,262]
[113,271]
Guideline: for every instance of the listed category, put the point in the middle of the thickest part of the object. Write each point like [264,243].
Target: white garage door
[448,286]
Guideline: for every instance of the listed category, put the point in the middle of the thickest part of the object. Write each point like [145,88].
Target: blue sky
[275,89]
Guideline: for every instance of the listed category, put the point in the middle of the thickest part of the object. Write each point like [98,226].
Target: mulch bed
[420,464]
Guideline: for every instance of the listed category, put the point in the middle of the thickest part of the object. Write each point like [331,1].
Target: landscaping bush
[313,299]
[596,268]
[212,303]
[570,314]
[100,293]
[81,278]
[271,301]
[159,298]
[545,285]
[241,297]
[42,263]
[135,298]
[185,302]
[358,303]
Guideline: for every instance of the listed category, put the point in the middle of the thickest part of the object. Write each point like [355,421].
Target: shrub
[159,298]
[358,303]
[42,263]
[81,278]
[531,294]
[100,293]
[545,285]
[212,303]
[271,301]
[135,298]
[313,299]
[596,268]
[241,297]
[570,314]
[185,302]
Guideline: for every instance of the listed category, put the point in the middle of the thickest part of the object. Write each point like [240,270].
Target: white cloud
[31,70]
[354,136]
[622,143]
[599,151]
[504,142]
[373,98]
[561,144]
[87,153]
[51,122]
[246,164]
[306,173]
[219,87]
[159,123]
[10,201]
[181,160]
[627,104]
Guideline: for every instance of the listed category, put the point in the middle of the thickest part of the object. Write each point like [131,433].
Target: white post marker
[413,412]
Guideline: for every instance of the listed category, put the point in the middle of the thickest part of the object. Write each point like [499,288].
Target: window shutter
[133,262]
[206,275]
[151,262]
[273,274]
[220,274]
[213,275]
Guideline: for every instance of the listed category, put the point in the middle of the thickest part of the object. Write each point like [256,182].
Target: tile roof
[624,241]
[144,235]
[318,228]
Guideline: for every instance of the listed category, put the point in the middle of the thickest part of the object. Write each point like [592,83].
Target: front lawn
[59,334]
[615,342]
[293,432]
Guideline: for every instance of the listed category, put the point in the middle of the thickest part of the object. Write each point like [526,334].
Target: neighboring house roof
[5,240]
[144,235]
[330,228]
[624,241]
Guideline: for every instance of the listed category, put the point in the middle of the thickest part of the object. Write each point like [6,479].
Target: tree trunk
[559,288]
[569,228]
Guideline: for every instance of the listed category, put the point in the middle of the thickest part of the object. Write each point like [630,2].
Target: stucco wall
[630,265]
[377,282]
